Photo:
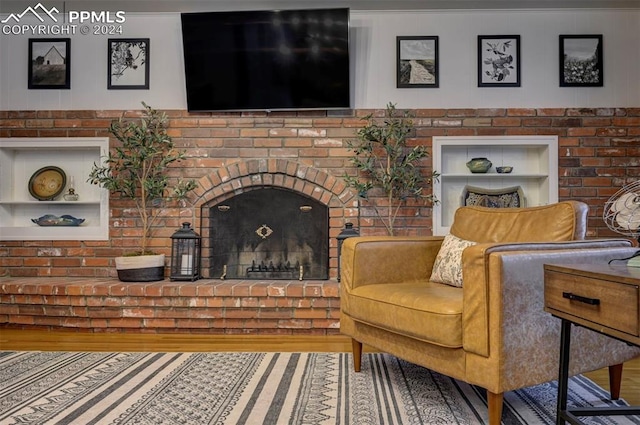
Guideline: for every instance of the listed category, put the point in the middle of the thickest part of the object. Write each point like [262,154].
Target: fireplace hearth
[269,234]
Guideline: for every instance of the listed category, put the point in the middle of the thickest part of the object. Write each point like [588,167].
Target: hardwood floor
[630,381]
[11,339]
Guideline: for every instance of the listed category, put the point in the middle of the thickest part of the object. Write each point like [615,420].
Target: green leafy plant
[137,169]
[385,162]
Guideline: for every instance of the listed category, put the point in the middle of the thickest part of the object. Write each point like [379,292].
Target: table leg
[563,373]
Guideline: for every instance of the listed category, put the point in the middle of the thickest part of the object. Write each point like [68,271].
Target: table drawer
[607,303]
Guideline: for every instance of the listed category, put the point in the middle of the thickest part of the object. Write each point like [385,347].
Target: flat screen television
[267,60]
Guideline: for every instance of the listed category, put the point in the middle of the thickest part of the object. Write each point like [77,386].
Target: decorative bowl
[479,165]
[505,169]
[47,183]
[54,220]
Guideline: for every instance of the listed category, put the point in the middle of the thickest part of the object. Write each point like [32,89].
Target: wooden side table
[592,296]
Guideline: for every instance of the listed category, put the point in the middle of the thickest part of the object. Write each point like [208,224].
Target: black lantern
[185,254]
[347,232]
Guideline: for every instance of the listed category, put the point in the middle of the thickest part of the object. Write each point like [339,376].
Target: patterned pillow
[448,265]
[508,197]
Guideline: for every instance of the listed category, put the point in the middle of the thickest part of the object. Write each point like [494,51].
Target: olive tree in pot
[137,169]
[387,166]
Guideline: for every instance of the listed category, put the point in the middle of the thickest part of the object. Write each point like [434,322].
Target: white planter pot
[141,268]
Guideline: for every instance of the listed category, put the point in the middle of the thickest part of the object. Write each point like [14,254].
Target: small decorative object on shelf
[47,183]
[71,194]
[479,165]
[54,220]
[185,254]
[504,169]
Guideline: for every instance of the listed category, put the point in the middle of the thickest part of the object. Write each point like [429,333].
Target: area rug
[256,388]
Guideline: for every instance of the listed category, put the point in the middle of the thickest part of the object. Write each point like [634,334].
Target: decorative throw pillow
[508,197]
[448,265]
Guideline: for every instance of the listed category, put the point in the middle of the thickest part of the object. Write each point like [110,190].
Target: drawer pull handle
[574,297]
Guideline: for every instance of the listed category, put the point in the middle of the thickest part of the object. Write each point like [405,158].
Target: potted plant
[385,163]
[137,169]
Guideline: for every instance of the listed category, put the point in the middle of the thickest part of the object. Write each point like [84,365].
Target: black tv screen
[267,60]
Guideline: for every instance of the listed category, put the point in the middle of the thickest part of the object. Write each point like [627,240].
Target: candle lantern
[185,254]
[347,232]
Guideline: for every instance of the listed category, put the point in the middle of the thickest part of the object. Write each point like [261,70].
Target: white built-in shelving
[21,157]
[535,170]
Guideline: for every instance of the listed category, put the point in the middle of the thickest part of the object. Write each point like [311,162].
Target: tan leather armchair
[493,331]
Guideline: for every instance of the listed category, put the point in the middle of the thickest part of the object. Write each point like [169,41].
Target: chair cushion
[428,311]
[447,267]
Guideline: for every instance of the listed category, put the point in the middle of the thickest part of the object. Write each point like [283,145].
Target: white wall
[373,44]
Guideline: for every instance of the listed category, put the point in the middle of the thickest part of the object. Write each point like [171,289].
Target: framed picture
[128,60]
[581,61]
[498,61]
[49,63]
[417,62]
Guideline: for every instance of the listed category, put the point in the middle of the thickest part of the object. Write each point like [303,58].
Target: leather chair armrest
[485,273]
[387,259]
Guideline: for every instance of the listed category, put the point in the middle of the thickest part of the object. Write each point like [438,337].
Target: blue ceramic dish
[54,220]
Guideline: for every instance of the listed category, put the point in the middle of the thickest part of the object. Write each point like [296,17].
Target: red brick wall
[599,150]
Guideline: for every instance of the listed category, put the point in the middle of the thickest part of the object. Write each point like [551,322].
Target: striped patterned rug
[255,388]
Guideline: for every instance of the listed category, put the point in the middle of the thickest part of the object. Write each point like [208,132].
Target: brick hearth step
[204,306]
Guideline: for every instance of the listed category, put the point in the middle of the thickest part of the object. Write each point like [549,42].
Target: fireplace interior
[269,234]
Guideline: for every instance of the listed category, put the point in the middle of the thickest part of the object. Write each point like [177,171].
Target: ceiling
[9,6]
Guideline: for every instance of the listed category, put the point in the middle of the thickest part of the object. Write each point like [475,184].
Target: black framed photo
[49,63]
[128,61]
[581,61]
[417,62]
[498,61]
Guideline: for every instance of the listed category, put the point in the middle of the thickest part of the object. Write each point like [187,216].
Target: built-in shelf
[21,157]
[535,170]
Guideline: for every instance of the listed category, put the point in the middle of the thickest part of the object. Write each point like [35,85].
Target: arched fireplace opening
[269,233]
[312,187]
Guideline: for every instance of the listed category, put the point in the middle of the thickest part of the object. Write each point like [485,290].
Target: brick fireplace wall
[599,151]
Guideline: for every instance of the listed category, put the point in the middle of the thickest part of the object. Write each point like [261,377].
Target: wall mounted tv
[267,60]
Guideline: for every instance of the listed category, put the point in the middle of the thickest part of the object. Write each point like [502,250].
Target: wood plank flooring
[14,340]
